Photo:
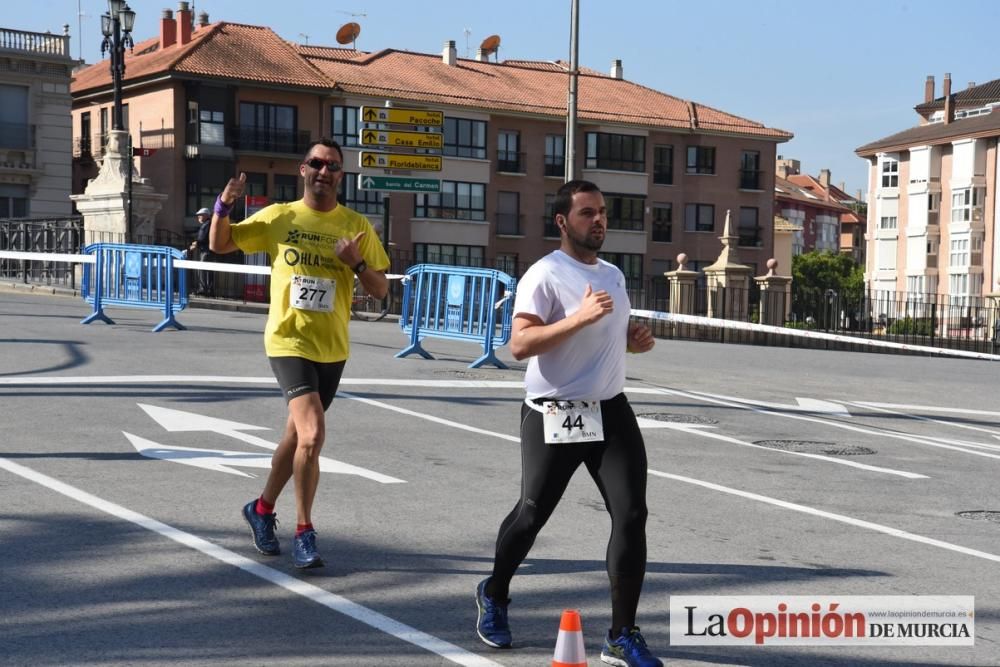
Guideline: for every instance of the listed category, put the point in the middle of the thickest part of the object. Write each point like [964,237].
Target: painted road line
[231,379]
[430,418]
[929,408]
[332,601]
[860,523]
[943,422]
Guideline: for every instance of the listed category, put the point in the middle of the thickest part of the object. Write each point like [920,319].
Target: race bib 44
[567,422]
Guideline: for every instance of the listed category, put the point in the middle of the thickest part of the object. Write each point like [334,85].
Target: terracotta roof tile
[974,96]
[935,133]
[786,189]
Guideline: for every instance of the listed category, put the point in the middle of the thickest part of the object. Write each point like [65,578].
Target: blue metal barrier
[457,303]
[134,276]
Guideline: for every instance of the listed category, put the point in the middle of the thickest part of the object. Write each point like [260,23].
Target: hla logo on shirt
[294,257]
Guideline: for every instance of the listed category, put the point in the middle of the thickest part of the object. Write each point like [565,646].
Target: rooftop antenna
[79,28]
[468,33]
[490,46]
[305,36]
[348,34]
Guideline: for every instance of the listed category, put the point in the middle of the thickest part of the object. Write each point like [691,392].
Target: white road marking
[860,523]
[943,422]
[436,420]
[930,408]
[332,601]
[181,420]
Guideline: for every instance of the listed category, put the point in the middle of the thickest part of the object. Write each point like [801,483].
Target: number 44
[569,424]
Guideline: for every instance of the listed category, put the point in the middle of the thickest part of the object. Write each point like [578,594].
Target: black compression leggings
[618,467]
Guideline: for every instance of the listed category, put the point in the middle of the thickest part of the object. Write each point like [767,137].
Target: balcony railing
[17,135]
[511,162]
[750,179]
[933,217]
[269,140]
[509,224]
[932,261]
[34,42]
[82,147]
[555,165]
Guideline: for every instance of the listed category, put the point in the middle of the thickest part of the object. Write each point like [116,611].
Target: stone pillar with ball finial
[682,292]
[775,304]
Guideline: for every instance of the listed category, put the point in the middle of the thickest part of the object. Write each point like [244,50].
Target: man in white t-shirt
[571,321]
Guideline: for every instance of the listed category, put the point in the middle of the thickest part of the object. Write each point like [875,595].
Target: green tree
[824,284]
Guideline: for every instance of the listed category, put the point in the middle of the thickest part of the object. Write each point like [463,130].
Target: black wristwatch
[359,267]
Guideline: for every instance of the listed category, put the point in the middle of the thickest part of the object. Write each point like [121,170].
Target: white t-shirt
[590,364]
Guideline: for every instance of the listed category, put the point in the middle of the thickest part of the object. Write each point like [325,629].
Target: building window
[663,223]
[749,230]
[344,125]
[750,172]
[15,130]
[550,228]
[465,138]
[555,155]
[701,159]
[508,157]
[625,212]
[699,218]
[620,152]
[890,173]
[887,222]
[205,180]
[268,127]
[506,262]
[967,205]
[211,127]
[663,165]
[456,201]
[631,266]
[452,255]
[285,188]
[13,201]
[362,201]
[959,253]
[508,214]
[85,131]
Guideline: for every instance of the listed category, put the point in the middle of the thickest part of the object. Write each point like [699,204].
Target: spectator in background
[206,279]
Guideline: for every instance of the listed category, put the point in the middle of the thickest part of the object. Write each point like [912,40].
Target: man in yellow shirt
[316,247]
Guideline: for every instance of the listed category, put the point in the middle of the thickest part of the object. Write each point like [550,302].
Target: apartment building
[35,134]
[227,97]
[933,218]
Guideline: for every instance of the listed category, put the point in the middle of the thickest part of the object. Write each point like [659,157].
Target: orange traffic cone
[569,643]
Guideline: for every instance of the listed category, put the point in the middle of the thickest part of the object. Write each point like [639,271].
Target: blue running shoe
[305,554]
[628,650]
[491,624]
[262,529]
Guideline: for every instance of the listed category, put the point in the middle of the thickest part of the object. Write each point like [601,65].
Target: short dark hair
[324,141]
[564,195]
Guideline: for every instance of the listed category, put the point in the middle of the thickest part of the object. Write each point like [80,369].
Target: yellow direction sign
[421,117]
[400,161]
[402,139]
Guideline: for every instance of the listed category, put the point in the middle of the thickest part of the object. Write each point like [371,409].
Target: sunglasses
[318,164]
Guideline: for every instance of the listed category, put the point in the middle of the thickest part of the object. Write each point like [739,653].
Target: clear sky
[836,74]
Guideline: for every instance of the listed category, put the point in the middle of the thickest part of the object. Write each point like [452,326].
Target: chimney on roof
[786,168]
[843,186]
[972,84]
[616,69]
[202,19]
[929,89]
[449,56]
[183,23]
[824,178]
[482,56]
[168,29]
[949,109]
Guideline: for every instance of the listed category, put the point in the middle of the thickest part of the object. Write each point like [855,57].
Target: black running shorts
[297,376]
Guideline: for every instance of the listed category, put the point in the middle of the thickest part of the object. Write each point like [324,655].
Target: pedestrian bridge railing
[457,303]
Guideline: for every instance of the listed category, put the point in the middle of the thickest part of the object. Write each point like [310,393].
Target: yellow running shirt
[311,289]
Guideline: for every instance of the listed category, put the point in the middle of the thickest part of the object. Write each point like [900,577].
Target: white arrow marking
[808,405]
[179,420]
[218,460]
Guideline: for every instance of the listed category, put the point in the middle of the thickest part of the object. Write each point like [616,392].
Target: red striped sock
[264,507]
[302,527]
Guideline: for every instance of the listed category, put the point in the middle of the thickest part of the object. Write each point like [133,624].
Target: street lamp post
[116,25]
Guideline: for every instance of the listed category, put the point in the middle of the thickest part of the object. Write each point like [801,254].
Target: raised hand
[234,189]
[640,338]
[347,249]
[595,305]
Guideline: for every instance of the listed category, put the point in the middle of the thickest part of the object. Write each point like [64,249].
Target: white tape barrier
[46,257]
[805,333]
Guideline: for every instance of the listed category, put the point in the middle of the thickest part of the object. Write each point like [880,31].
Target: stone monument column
[729,280]
[775,292]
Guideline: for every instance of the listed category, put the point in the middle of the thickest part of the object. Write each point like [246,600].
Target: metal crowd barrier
[457,303]
[134,276]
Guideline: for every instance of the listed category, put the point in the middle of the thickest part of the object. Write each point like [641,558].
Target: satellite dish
[348,33]
[490,45]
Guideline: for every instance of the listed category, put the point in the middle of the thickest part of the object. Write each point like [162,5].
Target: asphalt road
[125,457]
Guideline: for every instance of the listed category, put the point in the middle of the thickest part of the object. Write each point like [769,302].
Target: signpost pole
[385,241]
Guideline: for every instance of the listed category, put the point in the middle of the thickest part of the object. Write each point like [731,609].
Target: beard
[584,241]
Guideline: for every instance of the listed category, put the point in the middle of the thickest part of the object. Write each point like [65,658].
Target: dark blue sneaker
[628,650]
[305,554]
[491,624]
[262,529]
